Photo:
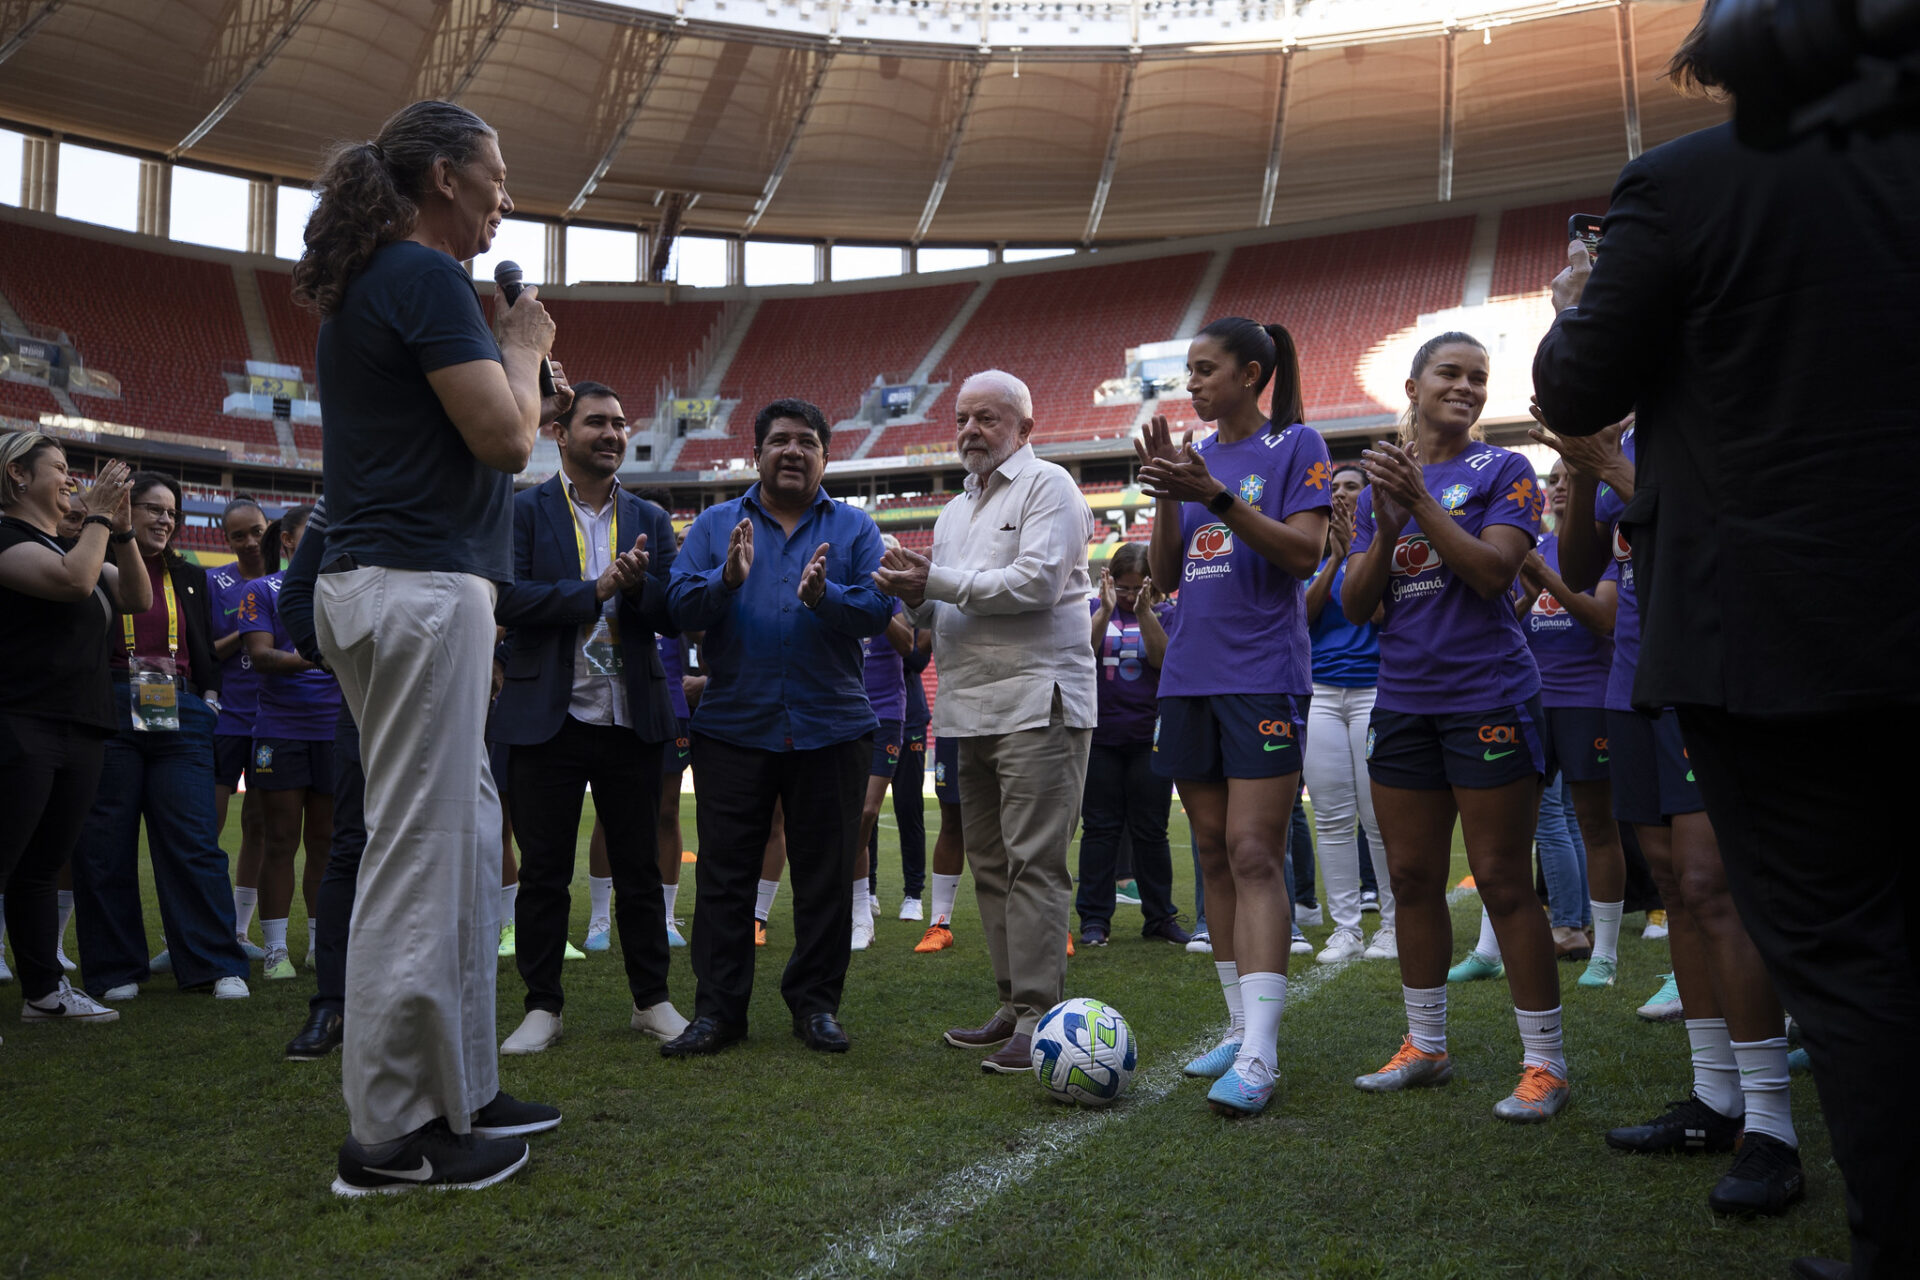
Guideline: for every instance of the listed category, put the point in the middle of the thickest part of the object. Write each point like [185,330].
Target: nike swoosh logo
[1275,746]
[1490,755]
[1689,775]
[421,1174]
[1269,999]
[1602,759]
[1749,1071]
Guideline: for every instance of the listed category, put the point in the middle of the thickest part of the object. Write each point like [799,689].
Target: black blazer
[548,602]
[1762,313]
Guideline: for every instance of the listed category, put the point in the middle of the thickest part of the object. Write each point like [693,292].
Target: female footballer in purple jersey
[1440,535]
[1241,522]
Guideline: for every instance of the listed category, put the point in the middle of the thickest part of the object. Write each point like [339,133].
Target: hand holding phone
[1585,227]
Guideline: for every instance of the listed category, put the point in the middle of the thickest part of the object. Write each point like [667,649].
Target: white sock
[862,903]
[1426,1017]
[763,901]
[275,933]
[669,892]
[509,894]
[1716,1075]
[1489,945]
[244,901]
[1763,1081]
[1540,1037]
[65,898]
[1236,1003]
[600,898]
[1264,996]
[1606,928]
[945,890]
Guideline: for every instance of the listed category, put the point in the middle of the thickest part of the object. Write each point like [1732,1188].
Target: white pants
[413,654]
[1335,768]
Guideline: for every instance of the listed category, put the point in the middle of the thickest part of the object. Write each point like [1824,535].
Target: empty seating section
[1533,245]
[1340,294]
[630,346]
[163,325]
[295,330]
[27,401]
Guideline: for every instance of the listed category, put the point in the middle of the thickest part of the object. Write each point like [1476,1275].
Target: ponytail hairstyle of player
[1271,347]
[370,193]
[1409,421]
[291,521]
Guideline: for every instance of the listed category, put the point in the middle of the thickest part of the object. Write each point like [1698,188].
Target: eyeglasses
[155,512]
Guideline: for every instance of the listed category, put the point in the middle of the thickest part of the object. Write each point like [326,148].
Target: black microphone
[507,278]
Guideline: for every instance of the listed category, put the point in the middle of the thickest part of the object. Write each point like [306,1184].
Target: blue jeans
[166,778]
[1563,857]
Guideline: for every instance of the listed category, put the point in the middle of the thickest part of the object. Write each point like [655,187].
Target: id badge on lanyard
[156,696]
[601,647]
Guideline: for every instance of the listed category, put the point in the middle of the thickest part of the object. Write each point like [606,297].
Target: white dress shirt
[597,699]
[1007,600]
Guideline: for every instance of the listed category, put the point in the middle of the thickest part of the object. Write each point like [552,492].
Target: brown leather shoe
[1015,1058]
[1571,944]
[997,1031]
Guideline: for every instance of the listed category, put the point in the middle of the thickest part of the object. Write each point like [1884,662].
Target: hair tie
[379,152]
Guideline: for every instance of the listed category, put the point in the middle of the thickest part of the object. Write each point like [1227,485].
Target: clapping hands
[903,573]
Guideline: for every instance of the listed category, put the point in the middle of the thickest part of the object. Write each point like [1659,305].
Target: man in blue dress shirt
[780,581]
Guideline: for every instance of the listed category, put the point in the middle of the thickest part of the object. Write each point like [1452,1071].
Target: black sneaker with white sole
[508,1117]
[432,1156]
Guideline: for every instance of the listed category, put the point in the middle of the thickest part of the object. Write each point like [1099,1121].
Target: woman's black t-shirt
[53,654]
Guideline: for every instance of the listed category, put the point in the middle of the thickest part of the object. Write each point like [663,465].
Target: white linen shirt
[1007,601]
[596,699]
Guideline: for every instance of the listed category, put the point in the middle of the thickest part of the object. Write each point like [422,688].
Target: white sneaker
[60,954]
[6,974]
[64,1004]
[538,1031]
[125,991]
[231,988]
[1201,943]
[1301,947]
[1385,944]
[910,909]
[1304,916]
[661,1021]
[862,934]
[1345,944]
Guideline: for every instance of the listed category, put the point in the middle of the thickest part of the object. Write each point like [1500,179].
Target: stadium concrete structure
[1363,171]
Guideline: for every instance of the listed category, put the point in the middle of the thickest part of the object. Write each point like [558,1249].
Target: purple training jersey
[1607,506]
[1573,661]
[304,706]
[1444,649]
[676,668]
[239,682]
[1242,622]
[886,676]
[1129,686]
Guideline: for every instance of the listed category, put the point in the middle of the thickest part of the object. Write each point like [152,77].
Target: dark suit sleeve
[1591,366]
[199,623]
[651,608]
[526,602]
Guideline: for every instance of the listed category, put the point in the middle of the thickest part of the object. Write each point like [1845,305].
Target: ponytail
[270,546]
[1271,347]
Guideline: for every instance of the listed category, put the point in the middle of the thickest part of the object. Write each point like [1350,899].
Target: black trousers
[1124,797]
[547,785]
[909,814]
[821,792]
[48,772]
[1818,860]
[335,899]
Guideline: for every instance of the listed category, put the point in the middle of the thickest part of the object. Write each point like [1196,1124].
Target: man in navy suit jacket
[584,703]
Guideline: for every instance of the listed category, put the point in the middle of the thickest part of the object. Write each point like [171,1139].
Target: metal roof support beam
[1629,77]
[1112,160]
[279,41]
[974,76]
[607,157]
[1270,186]
[27,28]
[1447,82]
[502,14]
[793,141]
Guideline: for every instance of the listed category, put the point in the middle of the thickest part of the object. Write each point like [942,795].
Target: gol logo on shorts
[1276,728]
[1499,733]
[1210,542]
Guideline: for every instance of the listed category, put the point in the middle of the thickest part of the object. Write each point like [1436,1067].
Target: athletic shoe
[1127,893]
[1687,1127]
[1764,1180]
[1307,917]
[1344,944]
[231,988]
[910,909]
[1233,1096]
[1475,968]
[759,932]
[661,1021]
[1069,944]
[162,963]
[508,1117]
[507,947]
[1093,936]
[1369,901]
[249,948]
[60,954]
[573,953]
[1799,1061]
[1665,1005]
[862,934]
[1656,926]
[600,934]
[125,991]
[1215,1062]
[312,958]
[6,974]
[539,1031]
[1385,944]
[1410,1067]
[938,937]
[277,965]
[1600,972]
[64,1004]
[674,937]
[432,1156]
[1167,930]
[1540,1095]
[1300,945]
[1201,944]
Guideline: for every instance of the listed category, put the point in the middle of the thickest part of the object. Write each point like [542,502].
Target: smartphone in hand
[1585,227]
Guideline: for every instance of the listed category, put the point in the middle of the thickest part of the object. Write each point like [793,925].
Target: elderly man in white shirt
[1006,596]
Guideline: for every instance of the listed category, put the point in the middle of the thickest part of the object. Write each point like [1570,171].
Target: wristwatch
[118,539]
[1221,502]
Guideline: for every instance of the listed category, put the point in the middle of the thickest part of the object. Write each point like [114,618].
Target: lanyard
[173,619]
[613,545]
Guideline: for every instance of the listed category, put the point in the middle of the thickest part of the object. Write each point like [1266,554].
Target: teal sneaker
[1799,1061]
[1665,1005]
[162,963]
[247,948]
[1600,972]
[1232,1096]
[277,964]
[674,936]
[1476,967]
[1126,893]
[599,935]
[1215,1062]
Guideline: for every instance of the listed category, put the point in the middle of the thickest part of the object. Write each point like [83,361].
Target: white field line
[878,1251]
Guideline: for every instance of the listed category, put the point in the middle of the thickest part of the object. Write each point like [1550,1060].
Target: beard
[980,466]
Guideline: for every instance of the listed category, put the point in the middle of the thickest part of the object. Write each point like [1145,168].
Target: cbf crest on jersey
[1455,496]
[1251,487]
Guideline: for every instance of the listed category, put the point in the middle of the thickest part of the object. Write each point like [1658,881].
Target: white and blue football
[1083,1051]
